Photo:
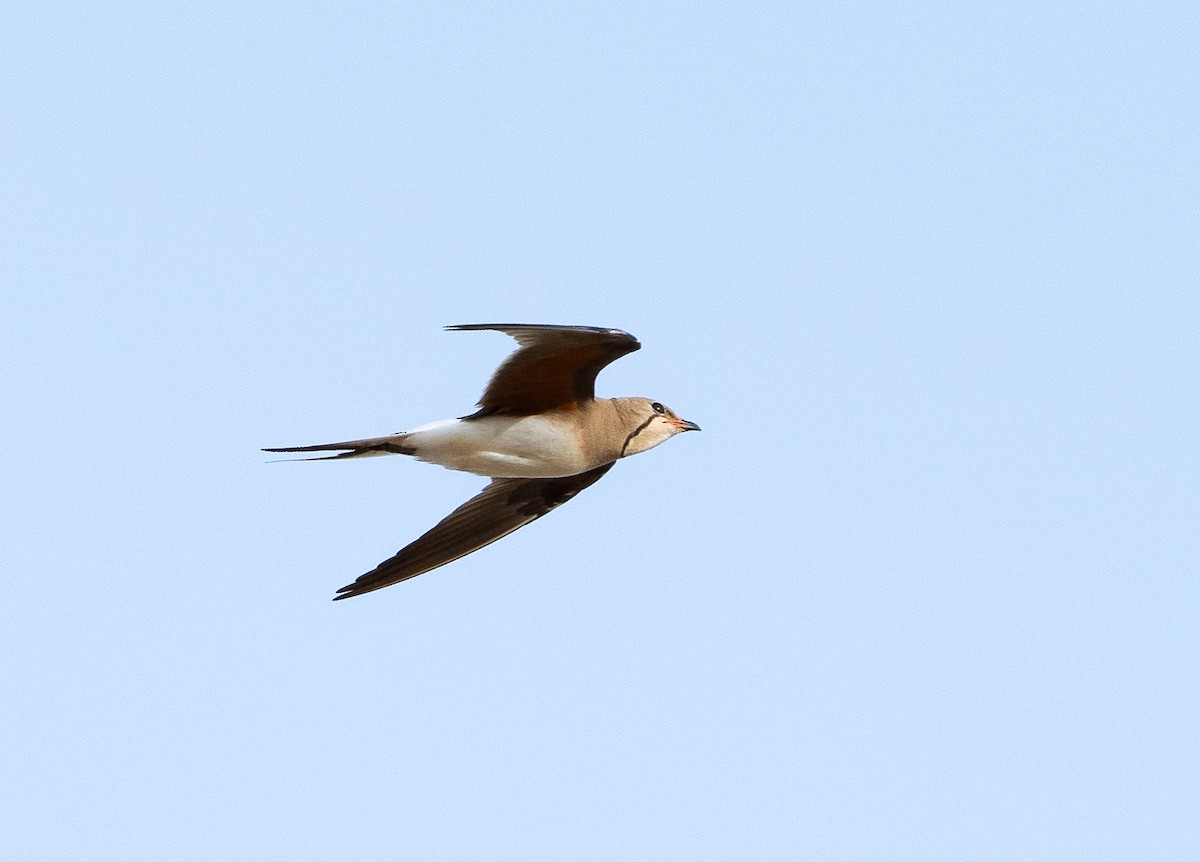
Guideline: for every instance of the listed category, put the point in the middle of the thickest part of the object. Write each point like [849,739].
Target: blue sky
[925,587]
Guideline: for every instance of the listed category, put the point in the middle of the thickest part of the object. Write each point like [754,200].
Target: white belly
[524,447]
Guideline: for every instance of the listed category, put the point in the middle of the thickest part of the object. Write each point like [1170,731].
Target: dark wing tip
[356,589]
[368,583]
[511,328]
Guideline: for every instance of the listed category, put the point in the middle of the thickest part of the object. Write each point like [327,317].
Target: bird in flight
[540,434]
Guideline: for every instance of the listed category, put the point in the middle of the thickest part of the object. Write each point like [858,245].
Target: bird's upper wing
[555,366]
[503,506]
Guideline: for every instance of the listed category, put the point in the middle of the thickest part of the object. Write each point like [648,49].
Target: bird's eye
[658,408]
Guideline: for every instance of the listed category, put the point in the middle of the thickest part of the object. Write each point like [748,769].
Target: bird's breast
[527,447]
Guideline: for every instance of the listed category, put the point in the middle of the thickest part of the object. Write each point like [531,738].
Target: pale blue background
[925,588]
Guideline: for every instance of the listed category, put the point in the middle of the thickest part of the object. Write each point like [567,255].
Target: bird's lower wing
[502,507]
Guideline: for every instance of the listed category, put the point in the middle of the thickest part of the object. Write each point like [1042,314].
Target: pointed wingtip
[348,592]
[508,328]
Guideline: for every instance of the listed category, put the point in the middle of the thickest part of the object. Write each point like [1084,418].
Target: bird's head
[649,423]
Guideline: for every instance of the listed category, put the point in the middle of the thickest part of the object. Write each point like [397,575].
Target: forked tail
[392,445]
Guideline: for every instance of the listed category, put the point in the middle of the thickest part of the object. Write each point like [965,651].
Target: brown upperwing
[554,366]
[503,506]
